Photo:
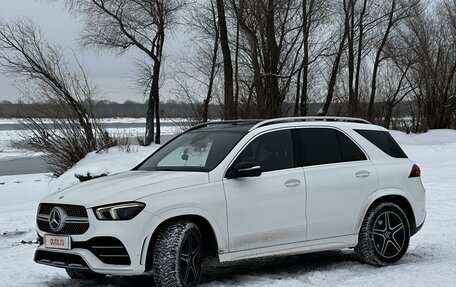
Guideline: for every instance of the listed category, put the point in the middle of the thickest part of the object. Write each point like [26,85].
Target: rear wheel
[384,236]
[83,275]
[178,255]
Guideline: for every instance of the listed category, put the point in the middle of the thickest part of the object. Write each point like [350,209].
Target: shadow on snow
[280,267]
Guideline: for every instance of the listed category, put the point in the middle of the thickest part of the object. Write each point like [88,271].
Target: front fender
[184,211]
[194,211]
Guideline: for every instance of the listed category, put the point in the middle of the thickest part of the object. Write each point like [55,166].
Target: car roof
[253,124]
[241,125]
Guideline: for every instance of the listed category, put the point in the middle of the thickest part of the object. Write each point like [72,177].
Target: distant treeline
[108,109]
[174,109]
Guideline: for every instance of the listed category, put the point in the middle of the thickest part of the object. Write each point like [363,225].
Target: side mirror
[244,169]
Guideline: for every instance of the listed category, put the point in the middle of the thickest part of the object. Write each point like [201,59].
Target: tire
[83,275]
[384,236]
[177,258]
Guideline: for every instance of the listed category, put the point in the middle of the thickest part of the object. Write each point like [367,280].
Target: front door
[267,210]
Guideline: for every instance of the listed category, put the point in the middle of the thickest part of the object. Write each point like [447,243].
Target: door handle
[362,173]
[292,182]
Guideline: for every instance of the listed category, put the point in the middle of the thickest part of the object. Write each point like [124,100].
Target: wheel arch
[210,236]
[395,196]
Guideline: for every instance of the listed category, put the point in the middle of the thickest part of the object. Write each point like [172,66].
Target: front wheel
[384,236]
[177,255]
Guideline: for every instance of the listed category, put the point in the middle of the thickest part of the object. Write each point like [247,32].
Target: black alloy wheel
[384,235]
[190,259]
[389,234]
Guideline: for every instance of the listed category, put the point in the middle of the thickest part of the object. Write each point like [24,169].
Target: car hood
[126,186]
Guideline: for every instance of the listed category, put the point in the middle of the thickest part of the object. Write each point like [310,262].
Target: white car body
[291,211]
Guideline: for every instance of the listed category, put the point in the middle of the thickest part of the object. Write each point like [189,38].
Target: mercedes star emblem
[57,219]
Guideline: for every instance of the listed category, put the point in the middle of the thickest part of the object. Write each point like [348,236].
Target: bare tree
[122,25]
[431,35]
[397,11]
[198,69]
[314,16]
[48,78]
[272,31]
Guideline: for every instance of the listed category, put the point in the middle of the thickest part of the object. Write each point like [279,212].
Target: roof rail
[308,119]
[215,123]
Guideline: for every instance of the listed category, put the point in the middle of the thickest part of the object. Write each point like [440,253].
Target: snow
[138,120]
[430,260]
[111,161]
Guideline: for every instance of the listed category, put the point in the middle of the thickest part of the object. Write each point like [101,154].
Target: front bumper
[134,235]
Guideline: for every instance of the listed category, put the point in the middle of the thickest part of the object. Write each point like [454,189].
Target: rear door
[339,177]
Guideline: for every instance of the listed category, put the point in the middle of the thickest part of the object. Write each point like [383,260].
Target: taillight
[416,172]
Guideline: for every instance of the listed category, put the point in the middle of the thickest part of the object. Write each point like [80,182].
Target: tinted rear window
[325,146]
[384,141]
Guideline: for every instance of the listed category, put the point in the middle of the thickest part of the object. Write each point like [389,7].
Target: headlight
[121,211]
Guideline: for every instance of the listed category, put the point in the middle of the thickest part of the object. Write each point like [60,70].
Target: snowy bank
[106,162]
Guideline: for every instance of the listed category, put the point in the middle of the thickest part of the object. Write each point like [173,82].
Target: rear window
[384,141]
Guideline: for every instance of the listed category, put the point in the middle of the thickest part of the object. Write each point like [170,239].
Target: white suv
[237,190]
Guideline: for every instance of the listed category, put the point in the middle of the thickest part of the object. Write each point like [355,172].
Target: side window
[384,141]
[273,151]
[350,151]
[324,146]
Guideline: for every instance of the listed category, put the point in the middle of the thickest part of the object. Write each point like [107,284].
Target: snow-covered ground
[430,261]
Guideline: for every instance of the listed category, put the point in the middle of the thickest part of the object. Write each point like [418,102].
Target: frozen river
[15,158]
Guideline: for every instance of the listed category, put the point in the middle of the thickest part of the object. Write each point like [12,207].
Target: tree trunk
[351,58]
[236,72]
[155,94]
[360,54]
[307,19]
[88,131]
[335,69]
[271,62]
[149,136]
[229,112]
[297,98]
[206,102]
[388,115]
[157,119]
[370,108]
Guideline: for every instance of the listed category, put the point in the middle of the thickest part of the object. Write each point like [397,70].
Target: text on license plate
[57,242]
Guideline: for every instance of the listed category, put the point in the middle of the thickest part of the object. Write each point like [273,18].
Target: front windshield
[193,151]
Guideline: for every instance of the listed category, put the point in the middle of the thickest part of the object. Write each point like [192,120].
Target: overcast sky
[113,74]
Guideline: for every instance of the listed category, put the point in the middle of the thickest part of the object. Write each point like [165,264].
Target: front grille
[108,250]
[71,210]
[77,214]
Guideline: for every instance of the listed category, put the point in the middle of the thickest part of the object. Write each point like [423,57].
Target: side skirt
[325,244]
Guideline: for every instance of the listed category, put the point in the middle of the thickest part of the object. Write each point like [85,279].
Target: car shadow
[279,266]
[288,266]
